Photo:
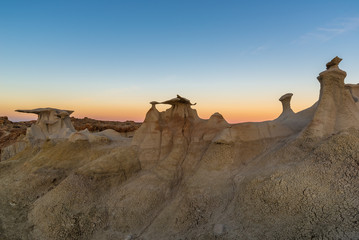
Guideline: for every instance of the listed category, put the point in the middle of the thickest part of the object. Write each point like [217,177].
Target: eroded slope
[182,177]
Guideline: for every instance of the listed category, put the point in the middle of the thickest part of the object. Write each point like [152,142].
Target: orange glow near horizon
[137,114]
[233,112]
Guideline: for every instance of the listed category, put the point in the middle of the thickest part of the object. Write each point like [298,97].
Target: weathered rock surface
[13,140]
[336,108]
[51,123]
[127,129]
[11,134]
[172,132]
[182,177]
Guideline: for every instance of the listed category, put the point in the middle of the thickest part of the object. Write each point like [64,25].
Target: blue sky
[108,59]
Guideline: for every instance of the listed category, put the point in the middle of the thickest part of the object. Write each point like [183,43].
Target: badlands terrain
[10,131]
[182,177]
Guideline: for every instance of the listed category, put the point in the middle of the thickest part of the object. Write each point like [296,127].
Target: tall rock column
[336,108]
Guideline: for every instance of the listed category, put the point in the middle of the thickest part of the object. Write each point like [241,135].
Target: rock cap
[334,62]
[286,96]
[177,100]
[59,112]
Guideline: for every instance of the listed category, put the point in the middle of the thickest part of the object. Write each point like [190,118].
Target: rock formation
[287,110]
[183,177]
[177,127]
[336,108]
[56,125]
[11,134]
[288,123]
[354,91]
[127,129]
[51,123]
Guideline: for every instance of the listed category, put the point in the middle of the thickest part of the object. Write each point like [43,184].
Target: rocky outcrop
[126,129]
[51,123]
[56,125]
[354,91]
[183,177]
[108,135]
[13,141]
[11,133]
[285,125]
[175,128]
[336,109]
[4,120]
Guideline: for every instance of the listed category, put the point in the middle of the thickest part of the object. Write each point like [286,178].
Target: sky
[108,59]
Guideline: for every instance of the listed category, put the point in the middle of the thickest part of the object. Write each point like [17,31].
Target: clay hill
[183,177]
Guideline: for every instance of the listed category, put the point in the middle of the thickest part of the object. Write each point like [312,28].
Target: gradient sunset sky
[109,59]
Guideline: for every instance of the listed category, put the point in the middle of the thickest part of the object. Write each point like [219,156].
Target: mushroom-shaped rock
[51,123]
[287,110]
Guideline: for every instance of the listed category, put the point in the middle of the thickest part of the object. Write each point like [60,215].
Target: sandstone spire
[336,108]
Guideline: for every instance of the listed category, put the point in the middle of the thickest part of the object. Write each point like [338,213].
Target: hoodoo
[177,126]
[336,109]
[51,123]
[287,110]
[183,177]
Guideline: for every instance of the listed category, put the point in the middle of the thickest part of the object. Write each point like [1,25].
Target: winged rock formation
[183,177]
[51,123]
[55,125]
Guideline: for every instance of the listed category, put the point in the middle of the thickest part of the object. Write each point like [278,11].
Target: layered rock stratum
[183,177]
